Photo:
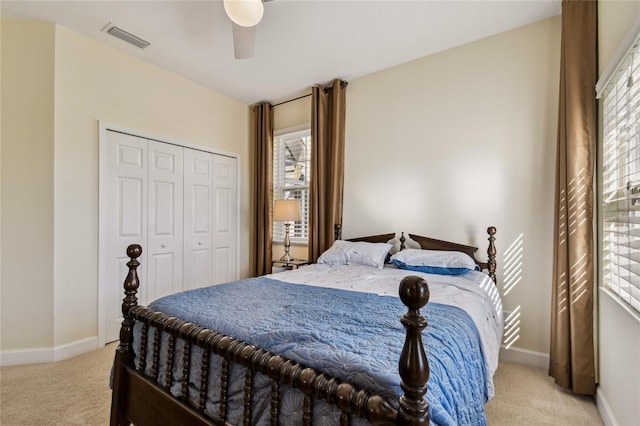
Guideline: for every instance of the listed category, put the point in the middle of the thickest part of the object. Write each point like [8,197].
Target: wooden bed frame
[140,400]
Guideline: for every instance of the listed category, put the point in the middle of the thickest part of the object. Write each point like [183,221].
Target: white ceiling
[298,43]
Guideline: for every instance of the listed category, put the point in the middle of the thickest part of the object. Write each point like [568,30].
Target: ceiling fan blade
[243,41]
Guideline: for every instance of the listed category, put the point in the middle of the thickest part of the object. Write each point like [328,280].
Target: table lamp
[286,211]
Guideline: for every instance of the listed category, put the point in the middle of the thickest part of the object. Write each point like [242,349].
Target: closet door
[198,214]
[165,226]
[125,215]
[224,219]
[179,204]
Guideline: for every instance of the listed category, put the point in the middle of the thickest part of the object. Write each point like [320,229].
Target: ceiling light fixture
[246,13]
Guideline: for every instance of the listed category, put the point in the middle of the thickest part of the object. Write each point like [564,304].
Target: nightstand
[292,264]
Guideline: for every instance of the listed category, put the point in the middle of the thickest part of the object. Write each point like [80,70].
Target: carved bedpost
[414,366]
[131,284]
[337,231]
[124,353]
[491,251]
[402,241]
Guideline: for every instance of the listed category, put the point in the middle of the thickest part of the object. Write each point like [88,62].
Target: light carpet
[76,392]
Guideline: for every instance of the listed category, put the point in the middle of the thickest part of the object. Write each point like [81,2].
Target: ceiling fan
[244,15]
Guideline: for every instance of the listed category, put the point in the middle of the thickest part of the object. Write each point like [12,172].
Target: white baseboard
[26,356]
[45,355]
[524,357]
[76,348]
[604,409]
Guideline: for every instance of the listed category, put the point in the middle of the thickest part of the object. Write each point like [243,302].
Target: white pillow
[435,258]
[356,253]
[336,254]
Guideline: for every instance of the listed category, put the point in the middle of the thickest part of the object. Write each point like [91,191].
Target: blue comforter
[355,337]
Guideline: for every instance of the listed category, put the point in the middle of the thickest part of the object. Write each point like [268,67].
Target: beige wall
[94,82]
[26,314]
[619,331]
[615,20]
[452,143]
[292,114]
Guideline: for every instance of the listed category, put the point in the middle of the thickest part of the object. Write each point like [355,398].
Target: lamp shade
[286,210]
[245,13]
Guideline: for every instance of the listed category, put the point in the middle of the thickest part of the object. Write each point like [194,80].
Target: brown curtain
[263,169]
[572,360]
[327,164]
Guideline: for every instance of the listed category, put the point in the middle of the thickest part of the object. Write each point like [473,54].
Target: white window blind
[291,174]
[621,180]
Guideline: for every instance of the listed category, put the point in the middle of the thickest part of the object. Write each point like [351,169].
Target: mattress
[344,320]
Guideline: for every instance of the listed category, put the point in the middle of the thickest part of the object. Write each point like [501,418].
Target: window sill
[634,314]
[293,243]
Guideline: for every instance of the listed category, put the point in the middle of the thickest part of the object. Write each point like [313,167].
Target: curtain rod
[343,84]
[291,100]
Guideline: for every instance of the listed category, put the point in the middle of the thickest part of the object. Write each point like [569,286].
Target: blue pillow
[430,269]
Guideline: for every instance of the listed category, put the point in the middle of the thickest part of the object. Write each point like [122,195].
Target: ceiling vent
[126,36]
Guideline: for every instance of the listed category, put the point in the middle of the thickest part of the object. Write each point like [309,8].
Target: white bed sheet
[474,292]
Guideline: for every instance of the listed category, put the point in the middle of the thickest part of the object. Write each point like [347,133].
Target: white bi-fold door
[198,260]
[123,210]
[210,220]
[179,204]
[164,220]
[224,219]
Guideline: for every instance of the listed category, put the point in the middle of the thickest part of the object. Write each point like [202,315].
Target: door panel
[201,270]
[164,242]
[222,265]
[201,209]
[224,218]
[130,198]
[223,207]
[161,267]
[198,180]
[164,208]
[125,212]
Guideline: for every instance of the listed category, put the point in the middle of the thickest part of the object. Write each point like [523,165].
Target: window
[291,174]
[621,180]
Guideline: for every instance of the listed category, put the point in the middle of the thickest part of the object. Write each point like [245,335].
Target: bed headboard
[380,238]
[428,243]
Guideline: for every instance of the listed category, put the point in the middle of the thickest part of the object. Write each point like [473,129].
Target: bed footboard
[138,397]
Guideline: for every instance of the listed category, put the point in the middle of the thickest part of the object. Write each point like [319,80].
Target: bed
[337,346]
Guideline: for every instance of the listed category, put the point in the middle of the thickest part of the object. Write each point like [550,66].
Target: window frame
[621,77]
[299,231]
